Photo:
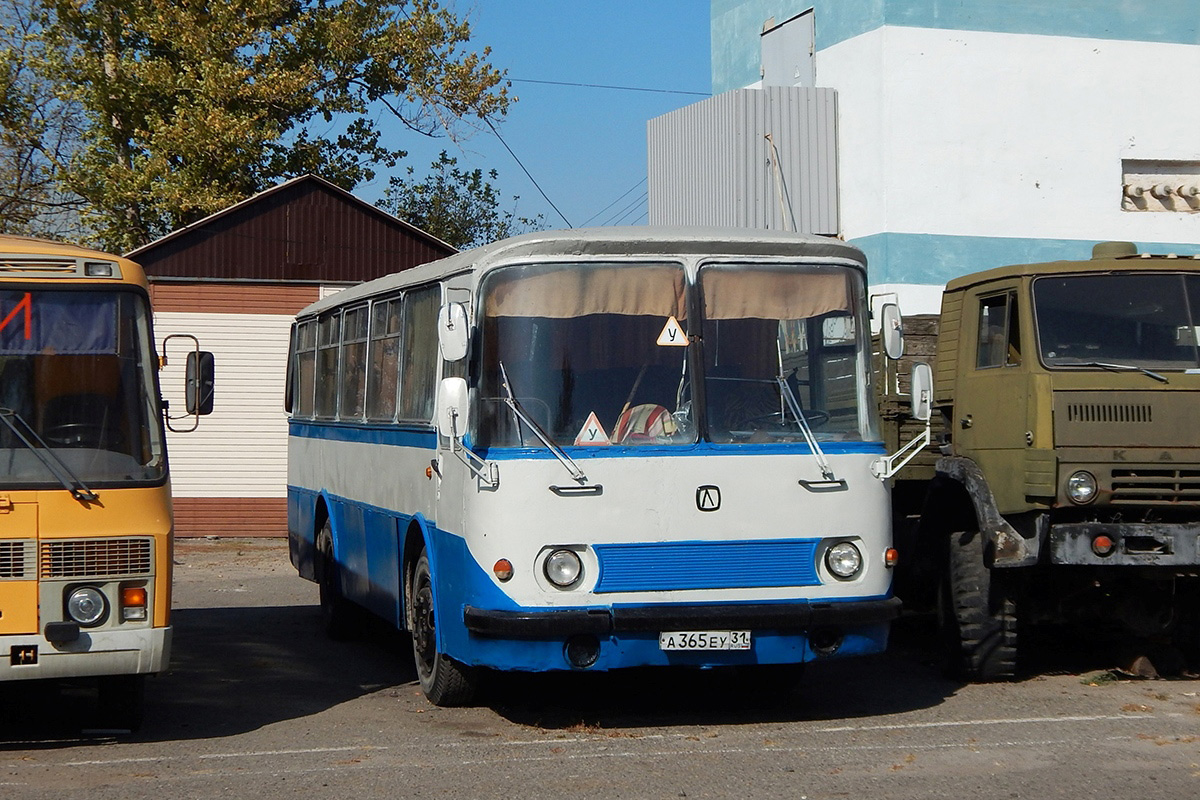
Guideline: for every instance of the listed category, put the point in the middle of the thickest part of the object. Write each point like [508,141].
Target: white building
[968,134]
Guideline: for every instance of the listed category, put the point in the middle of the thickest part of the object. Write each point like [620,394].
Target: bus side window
[384,371]
[305,368]
[419,357]
[329,334]
[354,363]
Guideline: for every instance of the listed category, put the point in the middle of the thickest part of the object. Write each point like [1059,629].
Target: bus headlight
[844,560]
[87,606]
[1081,487]
[563,568]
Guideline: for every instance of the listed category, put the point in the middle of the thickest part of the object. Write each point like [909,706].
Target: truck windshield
[770,329]
[594,354]
[75,366]
[1135,320]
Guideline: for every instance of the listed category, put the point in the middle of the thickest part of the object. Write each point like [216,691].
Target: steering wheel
[814,417]
[74,434]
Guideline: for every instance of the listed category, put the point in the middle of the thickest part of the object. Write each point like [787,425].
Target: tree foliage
[188,106]
[459,207]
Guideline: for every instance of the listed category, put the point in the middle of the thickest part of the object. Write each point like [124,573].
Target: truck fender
[1008,547]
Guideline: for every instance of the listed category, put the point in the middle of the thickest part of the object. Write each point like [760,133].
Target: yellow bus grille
[96,557]
[16,559]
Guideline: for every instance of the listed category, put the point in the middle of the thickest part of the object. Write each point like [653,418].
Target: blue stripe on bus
[668,566]
[427,439]
[416,436]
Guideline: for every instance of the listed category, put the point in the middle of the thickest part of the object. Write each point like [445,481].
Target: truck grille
[1156,486]
[16,559]
[1110,412]
[96,557]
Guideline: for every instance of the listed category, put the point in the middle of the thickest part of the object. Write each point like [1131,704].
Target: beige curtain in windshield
[773,294]
[581,290]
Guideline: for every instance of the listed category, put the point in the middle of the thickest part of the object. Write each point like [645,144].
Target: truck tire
[978,613]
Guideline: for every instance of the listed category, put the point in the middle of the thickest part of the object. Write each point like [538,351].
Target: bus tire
[121,701]
[340,618]
[977,614]
[444,681]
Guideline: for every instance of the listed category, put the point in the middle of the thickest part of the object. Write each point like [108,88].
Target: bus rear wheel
[341,619]
[443,680]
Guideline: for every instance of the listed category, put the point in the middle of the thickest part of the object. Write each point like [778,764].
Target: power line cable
[614,202]
[608,86]
[625,210]
[633,213]
[527,173]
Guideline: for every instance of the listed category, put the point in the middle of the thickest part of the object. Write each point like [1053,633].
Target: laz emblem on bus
[708,498]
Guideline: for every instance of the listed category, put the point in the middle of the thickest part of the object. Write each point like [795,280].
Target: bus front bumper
[95,653]
[786,617]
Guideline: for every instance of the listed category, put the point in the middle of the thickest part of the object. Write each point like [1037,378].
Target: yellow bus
[85,503]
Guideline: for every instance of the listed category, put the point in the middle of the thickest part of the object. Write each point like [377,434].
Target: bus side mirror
[452,408]
[891,330]
[921,392]
[453,332]
[199,388]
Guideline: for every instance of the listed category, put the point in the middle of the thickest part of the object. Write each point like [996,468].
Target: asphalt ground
[258,703]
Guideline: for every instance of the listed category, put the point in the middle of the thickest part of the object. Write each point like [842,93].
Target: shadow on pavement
[232,670]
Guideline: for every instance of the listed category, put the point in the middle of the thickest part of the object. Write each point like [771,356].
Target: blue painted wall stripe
[935,259]
[736,24]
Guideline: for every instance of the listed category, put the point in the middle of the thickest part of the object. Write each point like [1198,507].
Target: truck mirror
[452,407]
[453,333]
[891,330]
[199,388]
[921,391]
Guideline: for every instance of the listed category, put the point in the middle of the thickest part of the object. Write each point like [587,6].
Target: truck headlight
[844,560]
[87,606]
[1081,487]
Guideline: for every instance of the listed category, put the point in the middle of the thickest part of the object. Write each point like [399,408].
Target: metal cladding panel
[240,450]
[305,230]
[711,163]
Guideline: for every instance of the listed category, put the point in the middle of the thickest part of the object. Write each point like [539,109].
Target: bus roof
[28,258]
[609,241]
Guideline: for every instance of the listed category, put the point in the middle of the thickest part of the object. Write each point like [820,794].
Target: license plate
[704,640]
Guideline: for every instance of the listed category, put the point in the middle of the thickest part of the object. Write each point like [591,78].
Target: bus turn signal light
[1102,545]
[890,557]
[133,603]
[503,569]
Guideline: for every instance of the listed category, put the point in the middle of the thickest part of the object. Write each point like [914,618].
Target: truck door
[992,396]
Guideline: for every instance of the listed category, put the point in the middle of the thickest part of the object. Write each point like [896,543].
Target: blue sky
[585,147]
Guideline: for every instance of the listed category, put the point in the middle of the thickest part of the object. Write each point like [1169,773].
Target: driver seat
[643,423]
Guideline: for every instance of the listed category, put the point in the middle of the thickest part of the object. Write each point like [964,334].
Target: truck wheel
[341,619]
[443,680]
[978,613]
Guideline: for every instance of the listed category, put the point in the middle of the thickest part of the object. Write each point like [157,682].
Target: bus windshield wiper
[1113,368]
[61,472]
[512,402]
[805,428]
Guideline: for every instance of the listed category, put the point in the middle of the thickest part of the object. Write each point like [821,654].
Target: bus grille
[16,559]
[1156,487]
[96,557]
[666,566]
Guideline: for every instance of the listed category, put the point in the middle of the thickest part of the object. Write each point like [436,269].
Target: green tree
[460,208]
[192,105]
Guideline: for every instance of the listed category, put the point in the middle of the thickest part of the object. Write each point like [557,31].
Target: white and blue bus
[595,449]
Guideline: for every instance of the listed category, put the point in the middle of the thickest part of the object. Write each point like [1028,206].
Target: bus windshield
[76,377]
[782,349]
[593,354]
[1139,320]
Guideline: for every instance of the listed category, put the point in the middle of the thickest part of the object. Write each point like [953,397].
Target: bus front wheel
[443,680]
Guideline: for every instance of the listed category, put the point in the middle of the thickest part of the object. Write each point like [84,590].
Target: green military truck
[1062,484]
